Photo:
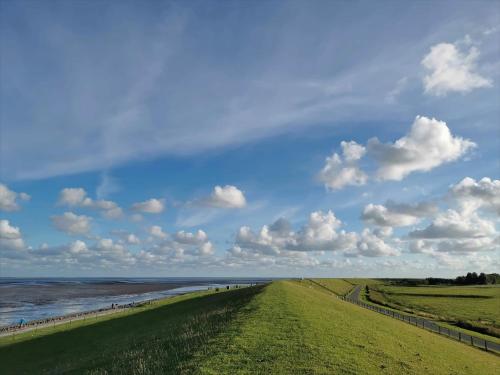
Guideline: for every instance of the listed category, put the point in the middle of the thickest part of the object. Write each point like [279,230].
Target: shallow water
[33,299]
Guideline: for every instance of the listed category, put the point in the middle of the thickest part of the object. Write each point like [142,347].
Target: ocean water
[41,298]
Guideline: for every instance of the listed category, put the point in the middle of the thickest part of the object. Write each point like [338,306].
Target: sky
[263,138]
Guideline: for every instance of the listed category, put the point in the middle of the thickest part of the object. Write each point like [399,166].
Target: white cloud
[10,237]
[228,196]
[397,214]
[451,70]
[453,224]
[206,249]
[462,230]
[428,145]
[352,151]
[77,197]
[338,173]
[320,234]
[371,244]
[191,238]
[132,239]
[150,206]
[72,224]
[78,247]
[72,197]
[8,199]
[182,248]
[471,194]
[156,231]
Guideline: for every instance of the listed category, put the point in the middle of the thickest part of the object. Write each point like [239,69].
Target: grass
[472,307]
[161,339]
[338,286]
[286,327]
[360,281]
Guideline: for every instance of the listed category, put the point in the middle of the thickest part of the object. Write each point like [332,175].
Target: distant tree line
[472,278]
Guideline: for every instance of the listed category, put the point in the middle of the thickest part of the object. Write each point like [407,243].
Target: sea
[29,299]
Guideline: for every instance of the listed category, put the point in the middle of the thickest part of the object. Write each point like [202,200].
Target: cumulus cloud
[397,214]
[461,229]
[78,247]
[157,231]
[191,238]
[182,248]
[228,196]
[8,199]
[373,244]
[320,234]
[104,253]
[428,145]
[10,236]
[72,197]
[339,172]
[150,206]
[452,70]
[453,224]
[77,197]
[126,237]
[72,224]
[472,195]
[455,232]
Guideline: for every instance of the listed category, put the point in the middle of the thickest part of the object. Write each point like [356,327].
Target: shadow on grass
[160,340]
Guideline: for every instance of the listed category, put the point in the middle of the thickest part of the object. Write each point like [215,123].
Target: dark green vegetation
[287,327]
[471,278]
[475,308]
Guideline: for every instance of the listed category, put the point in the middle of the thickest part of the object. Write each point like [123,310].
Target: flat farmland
[476,305]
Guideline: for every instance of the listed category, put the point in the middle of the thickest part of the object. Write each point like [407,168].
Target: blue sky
[280,138]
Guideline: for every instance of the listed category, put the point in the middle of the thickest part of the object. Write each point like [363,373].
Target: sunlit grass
[286,327]
[477,306]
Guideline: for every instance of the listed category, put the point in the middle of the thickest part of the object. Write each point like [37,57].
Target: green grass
[360,281]
[287,327]
[337,286]
[159,339]
[478,306]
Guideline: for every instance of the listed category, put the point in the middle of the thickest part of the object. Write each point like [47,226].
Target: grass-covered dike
[286,327]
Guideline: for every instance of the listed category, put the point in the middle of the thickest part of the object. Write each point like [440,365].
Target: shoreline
[57,320]
[14,329]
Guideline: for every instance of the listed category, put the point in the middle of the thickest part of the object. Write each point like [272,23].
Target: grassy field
[477,306]
[358,281]
[337,286]
[287,327]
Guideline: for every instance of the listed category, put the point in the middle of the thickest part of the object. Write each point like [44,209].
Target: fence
[424,323]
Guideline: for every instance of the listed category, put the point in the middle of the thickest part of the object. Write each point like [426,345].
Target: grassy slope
[288,328]
[298,328]
[358,281]
[337,286]
[156,340]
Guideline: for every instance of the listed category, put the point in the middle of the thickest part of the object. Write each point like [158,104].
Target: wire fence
[424,323]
